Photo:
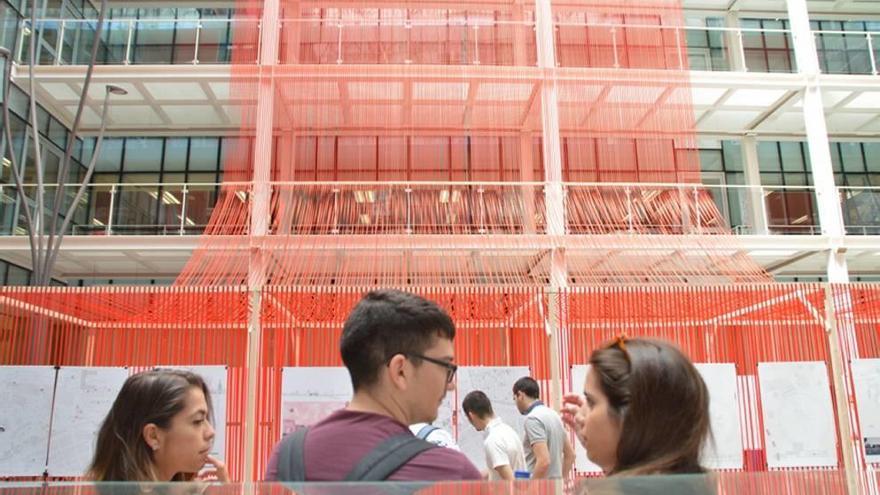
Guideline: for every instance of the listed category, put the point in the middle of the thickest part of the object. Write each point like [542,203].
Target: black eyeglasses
[450,368]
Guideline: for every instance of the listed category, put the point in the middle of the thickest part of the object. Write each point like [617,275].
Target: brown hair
[661,401]
[156,396]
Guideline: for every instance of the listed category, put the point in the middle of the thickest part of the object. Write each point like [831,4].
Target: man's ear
[152,436]
[398,372]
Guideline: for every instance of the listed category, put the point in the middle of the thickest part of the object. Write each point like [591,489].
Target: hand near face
[571,405]
[218,473]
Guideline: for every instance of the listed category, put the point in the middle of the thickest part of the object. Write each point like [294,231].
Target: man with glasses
[399,353]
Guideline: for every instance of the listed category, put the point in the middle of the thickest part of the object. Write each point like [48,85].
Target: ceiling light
[116,90]
[242,196]
[6,162]
[97,222]
[365,219]
[364,196]
[189,221]
[169,199]
[444,196]
[153,194]
[5,199]
[801,220]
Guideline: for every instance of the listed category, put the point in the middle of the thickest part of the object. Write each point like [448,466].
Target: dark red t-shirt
[338,442]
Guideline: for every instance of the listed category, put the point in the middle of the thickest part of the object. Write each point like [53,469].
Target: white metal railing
[125,40]
[465,41]
[463,207]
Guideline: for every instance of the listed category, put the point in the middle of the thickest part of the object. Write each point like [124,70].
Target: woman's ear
[152,436]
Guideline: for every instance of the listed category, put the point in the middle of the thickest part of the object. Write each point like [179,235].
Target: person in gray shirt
[549,453]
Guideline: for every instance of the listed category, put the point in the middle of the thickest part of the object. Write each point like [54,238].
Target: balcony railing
[848,52]
[144,41]
[352,208]
[710,48]
[861,210]
[474,41]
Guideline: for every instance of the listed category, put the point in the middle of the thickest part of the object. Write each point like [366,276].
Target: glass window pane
[768,157]
[203,154]
[872,155]
[711,160]
[771,179]
[732,151]
[792,156]
[17,275]
[176,150]
[143,155]
[851,156]
[110,157]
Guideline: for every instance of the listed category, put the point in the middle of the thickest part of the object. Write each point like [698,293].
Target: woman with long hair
[158,429]
[644,409]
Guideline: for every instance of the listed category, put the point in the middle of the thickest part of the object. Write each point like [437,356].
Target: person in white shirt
[434,434]
[504,451]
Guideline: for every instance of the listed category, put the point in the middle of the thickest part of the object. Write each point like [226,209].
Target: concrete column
[827,199]
[733,40]
[754,195]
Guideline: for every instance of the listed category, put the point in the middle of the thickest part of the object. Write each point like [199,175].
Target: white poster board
[497,383]
[309,394]
[799,428]
[216,379]
[83,399]
[725,448]
[582,463]
[866,378]
[24,419]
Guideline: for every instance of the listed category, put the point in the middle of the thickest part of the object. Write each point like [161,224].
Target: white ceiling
[165,256]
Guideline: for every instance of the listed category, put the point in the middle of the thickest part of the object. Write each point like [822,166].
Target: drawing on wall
[83,399]
[309,394]
[799,428]
[216,379]
[24,428]
[582,463]
[725,449]
[866,378]
[497,383]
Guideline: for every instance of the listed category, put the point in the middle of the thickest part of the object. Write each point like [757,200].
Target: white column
[754,194]
[828,202]
[553,192]
[734,42]
[260,212]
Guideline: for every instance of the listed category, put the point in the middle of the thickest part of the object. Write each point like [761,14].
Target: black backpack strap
[291,458]
[388,457]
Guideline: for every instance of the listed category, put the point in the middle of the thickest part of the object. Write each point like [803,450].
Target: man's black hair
[385,323]
[528,386]
[478,403]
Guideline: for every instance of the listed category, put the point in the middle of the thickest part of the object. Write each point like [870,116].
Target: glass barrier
[711,48]
[142,41]
[847,52]
[861,210]
[830,482]
[326,208]
[408,41]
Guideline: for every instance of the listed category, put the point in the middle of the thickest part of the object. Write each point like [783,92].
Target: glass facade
[53,139]
[187,167]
